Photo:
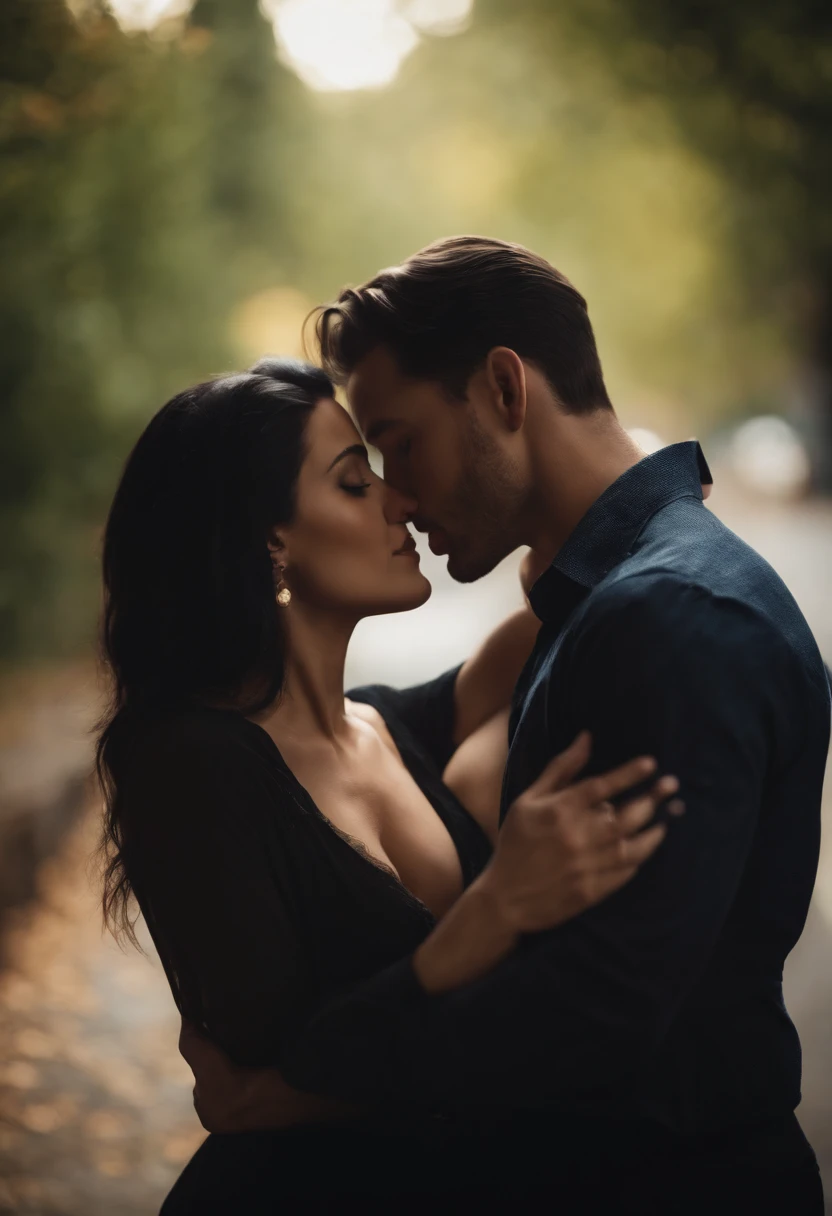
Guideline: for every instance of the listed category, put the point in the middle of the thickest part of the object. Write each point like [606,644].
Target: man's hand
[228,1098]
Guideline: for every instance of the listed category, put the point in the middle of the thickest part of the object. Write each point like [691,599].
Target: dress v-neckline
[352,842]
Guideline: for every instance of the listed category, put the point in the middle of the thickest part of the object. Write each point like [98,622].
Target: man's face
[437,451]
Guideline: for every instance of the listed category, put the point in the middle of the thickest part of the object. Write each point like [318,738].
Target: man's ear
[506,374]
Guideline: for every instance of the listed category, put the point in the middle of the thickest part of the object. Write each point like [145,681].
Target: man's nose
[398,507]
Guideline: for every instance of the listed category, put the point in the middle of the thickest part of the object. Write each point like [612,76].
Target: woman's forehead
[330,429]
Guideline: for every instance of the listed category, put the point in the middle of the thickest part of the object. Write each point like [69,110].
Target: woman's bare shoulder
[370,715]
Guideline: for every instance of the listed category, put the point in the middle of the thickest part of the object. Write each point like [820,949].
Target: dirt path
[95,1101]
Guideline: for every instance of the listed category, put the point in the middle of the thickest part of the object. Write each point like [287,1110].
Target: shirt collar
[603,537]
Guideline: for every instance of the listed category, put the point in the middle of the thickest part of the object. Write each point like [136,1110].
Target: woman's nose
[398,507]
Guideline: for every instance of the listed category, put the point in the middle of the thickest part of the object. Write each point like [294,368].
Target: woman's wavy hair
[189,613]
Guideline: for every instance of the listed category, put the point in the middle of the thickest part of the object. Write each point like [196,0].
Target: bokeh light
[270,322]
[769,457]
[340,45]
[145,14]
[647,440]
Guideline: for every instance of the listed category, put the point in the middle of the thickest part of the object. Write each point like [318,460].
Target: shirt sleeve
[201,812]
[706,687]
[427,710]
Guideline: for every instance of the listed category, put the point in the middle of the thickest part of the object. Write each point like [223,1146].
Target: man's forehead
[372,382]
[375,400]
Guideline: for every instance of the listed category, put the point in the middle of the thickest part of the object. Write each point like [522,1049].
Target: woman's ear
[277,549]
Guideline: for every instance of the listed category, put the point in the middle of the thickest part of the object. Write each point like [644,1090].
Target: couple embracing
[512,938]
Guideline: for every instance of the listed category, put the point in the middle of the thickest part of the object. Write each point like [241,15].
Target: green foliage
[672,159]
[117,233]
[521,129]
[748,85]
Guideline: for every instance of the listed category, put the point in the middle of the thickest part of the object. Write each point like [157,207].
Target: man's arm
[703,685]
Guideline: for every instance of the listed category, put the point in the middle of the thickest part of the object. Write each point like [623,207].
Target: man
[652,1028]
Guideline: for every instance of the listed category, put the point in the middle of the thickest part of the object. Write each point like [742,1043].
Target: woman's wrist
[471,939]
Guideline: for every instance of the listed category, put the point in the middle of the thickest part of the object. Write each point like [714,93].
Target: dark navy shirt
[664,634]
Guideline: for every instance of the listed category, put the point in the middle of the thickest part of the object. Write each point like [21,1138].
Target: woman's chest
[371,798]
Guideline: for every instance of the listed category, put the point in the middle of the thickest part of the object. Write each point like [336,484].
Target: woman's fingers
[630,852]
[639,811]
[564,768]
[599,789]
[608,825]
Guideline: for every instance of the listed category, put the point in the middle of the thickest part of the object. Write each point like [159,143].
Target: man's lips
[438,541]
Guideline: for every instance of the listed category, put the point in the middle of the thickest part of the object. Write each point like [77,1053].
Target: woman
[281,842]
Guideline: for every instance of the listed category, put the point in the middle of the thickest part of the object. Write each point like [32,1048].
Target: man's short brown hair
[442,310]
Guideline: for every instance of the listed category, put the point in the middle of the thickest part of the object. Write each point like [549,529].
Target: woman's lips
[408,549]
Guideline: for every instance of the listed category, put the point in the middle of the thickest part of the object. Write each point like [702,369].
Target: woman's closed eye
[358,489]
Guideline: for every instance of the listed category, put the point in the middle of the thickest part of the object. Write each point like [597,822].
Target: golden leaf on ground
[112,1164]
[36,1044]
[107,1125]
[20,1073]
[44,1117]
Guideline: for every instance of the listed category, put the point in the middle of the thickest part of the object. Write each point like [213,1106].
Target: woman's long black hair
[189,601]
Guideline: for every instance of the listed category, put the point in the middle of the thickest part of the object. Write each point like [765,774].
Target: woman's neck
[312,702]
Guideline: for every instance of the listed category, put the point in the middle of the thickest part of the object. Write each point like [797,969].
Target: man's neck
[575,458]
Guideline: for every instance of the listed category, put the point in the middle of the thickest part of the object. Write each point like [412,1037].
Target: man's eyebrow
[355,449]
[378,428]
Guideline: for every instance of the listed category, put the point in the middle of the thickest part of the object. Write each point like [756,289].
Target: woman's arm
[482,697]
[485,682]
[562,849]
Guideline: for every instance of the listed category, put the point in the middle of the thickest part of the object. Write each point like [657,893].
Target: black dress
[261,910]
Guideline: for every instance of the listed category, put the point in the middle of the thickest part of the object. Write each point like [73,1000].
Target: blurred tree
[255,134]
[153,186]
[750,85]
[121,206]
[521,130]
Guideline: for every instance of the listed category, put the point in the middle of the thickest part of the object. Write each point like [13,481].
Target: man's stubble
[484,509]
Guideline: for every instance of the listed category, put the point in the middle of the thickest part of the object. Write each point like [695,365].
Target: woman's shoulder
[369,714]
[191,726]
[421,713]
[197,739]
[205,767]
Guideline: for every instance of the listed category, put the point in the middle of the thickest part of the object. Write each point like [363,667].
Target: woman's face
[348,547]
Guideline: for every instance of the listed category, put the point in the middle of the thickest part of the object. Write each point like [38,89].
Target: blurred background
[179,185]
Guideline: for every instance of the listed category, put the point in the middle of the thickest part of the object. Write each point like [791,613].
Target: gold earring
[284,595]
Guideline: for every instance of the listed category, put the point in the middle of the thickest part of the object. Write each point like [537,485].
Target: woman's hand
[564,846]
